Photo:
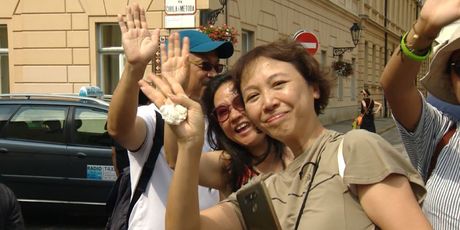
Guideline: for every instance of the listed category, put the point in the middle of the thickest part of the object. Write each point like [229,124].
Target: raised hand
[138,43]
[168,89]
[438,13]
[174,61]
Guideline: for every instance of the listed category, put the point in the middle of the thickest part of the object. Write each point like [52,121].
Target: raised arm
[139,46]
[399,76]
[182,210]
[175,65]
[379,106]
[399,209]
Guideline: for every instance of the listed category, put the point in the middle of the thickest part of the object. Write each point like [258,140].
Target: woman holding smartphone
[372,186]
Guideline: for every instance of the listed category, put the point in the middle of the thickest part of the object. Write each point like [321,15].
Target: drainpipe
[385,60]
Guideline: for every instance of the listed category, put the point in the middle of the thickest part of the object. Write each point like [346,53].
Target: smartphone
[257,208]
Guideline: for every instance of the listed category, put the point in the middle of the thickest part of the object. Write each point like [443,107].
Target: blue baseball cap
[201,43]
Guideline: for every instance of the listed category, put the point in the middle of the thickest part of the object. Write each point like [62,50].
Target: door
[34,160]
[91,146]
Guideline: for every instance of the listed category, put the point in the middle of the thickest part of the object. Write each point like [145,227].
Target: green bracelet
[410,53]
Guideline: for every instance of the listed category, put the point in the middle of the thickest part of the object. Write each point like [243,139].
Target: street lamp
[355,31]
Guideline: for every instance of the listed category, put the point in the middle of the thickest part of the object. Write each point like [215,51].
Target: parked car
[55,149]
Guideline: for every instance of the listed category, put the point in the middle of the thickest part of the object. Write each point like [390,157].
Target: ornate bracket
[212,16]
[337,51]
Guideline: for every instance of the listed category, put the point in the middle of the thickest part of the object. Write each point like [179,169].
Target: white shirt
[149,210]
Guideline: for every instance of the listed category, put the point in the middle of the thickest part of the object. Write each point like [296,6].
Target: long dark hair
[240,158]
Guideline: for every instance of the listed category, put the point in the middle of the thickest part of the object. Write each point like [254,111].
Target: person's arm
[399,76]
[139,46]
[379,106]
[391,204]
[182,210]
[114,161]
[363,107]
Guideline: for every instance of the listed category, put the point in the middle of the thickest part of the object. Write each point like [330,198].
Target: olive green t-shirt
[331,204]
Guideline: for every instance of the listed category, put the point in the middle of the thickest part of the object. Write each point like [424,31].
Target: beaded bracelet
[410,52]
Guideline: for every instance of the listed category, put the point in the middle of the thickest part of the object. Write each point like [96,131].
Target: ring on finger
[148,82]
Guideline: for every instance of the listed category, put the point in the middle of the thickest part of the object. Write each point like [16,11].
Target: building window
[247,41]
[4,72]
[90,128]
[38,123]
[374,63]
[110,56]
[340,88]
[323,59]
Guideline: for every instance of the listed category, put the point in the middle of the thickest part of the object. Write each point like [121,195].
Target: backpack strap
[149,165]
[443,142]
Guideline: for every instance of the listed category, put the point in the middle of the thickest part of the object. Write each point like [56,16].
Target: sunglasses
[455,66]
[222,112]
[207,66]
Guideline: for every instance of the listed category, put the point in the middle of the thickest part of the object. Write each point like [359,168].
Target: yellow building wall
[52,43]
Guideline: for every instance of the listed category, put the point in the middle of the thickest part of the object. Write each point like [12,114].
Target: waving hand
[138,43]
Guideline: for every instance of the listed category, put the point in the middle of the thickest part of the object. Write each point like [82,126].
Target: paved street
[385,127]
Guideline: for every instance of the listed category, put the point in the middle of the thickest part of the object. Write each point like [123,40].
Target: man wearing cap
[431,138]
[134,128]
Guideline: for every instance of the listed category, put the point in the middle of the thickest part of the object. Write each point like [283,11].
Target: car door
[34,160]
[91,144]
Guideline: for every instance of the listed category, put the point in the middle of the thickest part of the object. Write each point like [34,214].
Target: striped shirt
[442,204]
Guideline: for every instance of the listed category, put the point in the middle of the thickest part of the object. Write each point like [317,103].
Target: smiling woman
[284,92]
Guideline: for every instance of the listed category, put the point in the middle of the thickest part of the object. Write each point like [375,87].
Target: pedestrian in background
[367,111]
[10,210]
[134,127]
[431,138]
[284,92]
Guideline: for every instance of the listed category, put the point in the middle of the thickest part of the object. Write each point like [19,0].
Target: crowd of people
[258,124]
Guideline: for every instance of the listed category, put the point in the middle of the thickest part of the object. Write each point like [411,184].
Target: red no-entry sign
[308,40]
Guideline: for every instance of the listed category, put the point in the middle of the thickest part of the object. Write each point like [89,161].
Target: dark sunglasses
[222,112]
[455,66]
[207,66]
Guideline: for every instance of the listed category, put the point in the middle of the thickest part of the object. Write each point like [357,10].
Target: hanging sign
[175,7]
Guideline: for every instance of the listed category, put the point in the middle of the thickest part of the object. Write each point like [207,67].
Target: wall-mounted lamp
[355,31]
[212,15]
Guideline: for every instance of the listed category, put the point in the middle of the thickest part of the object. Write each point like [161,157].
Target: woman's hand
[166,90]
[138,43]
[169,88]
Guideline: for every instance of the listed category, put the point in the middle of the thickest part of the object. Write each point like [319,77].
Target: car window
[90,127]
[38,123]
[5,113]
